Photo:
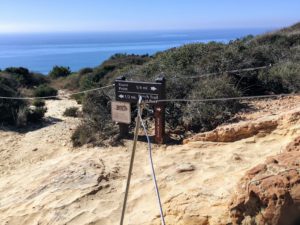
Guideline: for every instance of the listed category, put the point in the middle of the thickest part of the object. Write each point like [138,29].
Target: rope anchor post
[136,134]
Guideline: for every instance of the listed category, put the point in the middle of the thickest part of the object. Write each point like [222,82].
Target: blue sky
[116,15]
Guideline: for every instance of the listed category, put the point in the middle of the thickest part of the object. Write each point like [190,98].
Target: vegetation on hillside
[59,71]
[45,91]
[13,82]
[279,50]
[71,112]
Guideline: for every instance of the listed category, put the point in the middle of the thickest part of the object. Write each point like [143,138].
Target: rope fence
[57,96]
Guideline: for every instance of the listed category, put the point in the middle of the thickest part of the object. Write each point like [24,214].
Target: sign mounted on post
[121,112]
[129,91]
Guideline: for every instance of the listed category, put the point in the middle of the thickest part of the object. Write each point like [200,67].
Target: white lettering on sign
[121,112]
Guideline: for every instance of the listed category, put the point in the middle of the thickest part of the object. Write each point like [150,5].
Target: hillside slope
[44,180]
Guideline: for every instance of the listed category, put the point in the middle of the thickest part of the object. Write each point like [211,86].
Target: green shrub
[85,71]
[204,116]
[30,115]
[24,77]
[59,71]
[78,98]
[22,117]
[36,114]
[17,70]
[45,91]
[9,108]
[71,112]
[38,103]
[282,78]
[97,126]
[83,134]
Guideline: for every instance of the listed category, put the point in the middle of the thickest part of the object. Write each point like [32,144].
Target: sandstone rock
[270,193]
[237,132]
[186,167]
[294,146]
[194,220]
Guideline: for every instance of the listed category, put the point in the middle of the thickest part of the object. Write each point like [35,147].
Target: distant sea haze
[40,52]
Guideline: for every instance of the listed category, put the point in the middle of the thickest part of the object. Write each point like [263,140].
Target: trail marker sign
[121,112]
[129,91]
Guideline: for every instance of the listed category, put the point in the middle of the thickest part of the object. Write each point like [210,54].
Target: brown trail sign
[129,91]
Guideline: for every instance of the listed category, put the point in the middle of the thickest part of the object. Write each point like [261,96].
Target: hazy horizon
[267,28]
[69,16]
[40,52]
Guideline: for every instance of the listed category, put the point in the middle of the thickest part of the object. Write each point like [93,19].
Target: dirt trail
[44,180]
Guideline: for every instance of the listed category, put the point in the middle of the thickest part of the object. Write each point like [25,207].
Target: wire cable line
[223,99]
[152,168]
[222,72]
[57,96]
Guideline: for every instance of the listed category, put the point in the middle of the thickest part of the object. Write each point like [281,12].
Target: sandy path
[60,185]
[22,150]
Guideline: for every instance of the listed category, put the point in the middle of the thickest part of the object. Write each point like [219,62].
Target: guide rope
[136,133]
[224,99]
[222,72]
[152,169]
[57,96]
[249,69]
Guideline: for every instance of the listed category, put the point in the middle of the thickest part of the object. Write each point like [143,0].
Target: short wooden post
[159,114]
[124,128]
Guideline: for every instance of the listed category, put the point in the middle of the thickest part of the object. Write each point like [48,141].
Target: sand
[44,180]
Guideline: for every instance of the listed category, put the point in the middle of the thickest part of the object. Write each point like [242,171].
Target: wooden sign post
[129,91]
[123,127]
[159,114]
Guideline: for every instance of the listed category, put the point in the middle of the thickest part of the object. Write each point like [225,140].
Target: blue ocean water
[40,52]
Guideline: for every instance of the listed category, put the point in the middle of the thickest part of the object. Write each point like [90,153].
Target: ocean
[40,52]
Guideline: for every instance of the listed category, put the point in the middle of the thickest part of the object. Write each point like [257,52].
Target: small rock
[236,157]
[186,167]
[35,149]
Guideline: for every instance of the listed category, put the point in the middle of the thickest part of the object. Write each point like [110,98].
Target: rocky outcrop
[236,132]
[294,146]
[260,127]
[270,193]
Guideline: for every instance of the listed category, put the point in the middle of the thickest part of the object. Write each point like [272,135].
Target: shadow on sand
[143,138]
[48,121]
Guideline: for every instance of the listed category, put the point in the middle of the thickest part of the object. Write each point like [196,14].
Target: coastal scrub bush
[38,103]
[204,116]
[97,126]
[282,78]
[28,115]
[24,77]
[59,71]
[85,71]
[45,91]
[82,135]
[71,112]
[9,107]
[14,111]
[36,114]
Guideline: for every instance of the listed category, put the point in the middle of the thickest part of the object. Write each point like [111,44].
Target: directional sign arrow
[153,88]
[121,96]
